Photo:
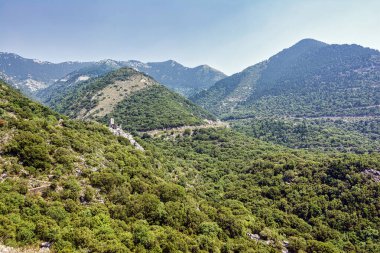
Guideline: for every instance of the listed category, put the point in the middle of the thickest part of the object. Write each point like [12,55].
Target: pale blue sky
[226,34]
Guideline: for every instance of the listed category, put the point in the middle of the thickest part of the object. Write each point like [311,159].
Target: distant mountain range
[32,76]
[309,79]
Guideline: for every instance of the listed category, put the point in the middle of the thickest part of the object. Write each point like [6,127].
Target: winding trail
[182,129]
[158,132]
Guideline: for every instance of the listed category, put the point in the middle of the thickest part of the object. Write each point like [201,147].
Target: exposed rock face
[108,97]
[374,174]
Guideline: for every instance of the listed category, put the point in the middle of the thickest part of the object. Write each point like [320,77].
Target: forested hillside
[74,78]
[134,99]
[347,134]
[316,201]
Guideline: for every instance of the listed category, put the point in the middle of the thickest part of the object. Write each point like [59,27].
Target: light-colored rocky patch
[6,249]
[374,174]
[110,96]
[5,138]
[34,85]
[82,78]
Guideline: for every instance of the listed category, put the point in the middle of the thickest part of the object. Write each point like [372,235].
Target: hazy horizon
[226,35]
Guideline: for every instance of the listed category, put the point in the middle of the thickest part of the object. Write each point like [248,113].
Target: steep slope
[134,99]
[31,75]
[309,79]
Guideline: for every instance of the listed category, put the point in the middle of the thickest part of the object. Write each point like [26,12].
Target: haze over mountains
[34,75]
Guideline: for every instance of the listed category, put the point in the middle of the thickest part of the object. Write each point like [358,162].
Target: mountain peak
[308,44]
[309,41]
[298,49]
[173,63]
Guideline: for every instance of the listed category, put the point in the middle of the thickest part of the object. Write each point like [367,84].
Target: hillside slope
[75,78]
[309,79]
[134,99]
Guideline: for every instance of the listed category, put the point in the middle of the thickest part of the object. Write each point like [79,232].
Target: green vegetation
[51,93]
[76,97]
[319,202]
[348,135]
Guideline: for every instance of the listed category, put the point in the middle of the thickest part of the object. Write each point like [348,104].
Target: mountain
[309,79]
[31,75]
[184,80]
[133,98]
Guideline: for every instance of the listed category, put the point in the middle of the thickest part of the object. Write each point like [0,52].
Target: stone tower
[112,124]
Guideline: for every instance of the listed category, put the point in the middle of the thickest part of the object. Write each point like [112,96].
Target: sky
[228,35]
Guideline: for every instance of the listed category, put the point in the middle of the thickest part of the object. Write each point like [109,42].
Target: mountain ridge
[309,71]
